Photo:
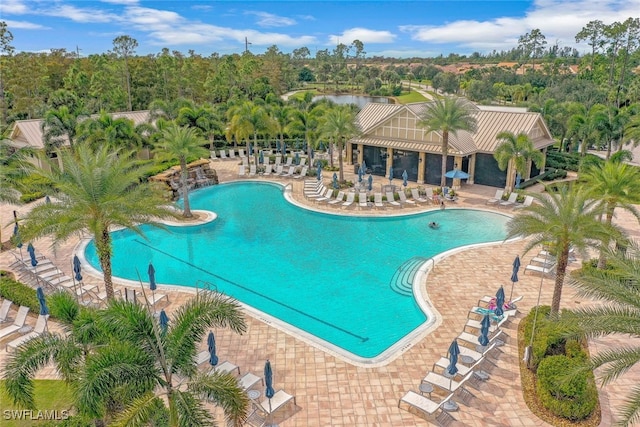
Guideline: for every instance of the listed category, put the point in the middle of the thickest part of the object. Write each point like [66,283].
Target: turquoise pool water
[328,275]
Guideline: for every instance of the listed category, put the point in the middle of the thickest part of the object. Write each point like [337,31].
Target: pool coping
[419,287]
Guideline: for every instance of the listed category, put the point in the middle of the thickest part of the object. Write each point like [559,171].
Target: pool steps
[402,280]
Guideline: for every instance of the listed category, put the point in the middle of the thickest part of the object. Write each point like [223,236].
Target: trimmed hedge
[572,396]
[19,293]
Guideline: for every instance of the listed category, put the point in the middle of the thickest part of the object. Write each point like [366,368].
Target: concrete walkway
[333,392]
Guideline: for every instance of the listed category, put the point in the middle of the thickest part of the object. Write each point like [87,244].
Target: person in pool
[433,224]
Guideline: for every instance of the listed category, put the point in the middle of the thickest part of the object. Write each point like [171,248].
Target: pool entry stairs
[402,280]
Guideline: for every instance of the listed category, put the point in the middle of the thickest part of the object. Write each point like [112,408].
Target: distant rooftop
[502,108]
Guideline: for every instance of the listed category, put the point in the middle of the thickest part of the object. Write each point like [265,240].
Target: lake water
[359,100]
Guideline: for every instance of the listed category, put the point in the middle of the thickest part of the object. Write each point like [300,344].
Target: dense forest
[569,89]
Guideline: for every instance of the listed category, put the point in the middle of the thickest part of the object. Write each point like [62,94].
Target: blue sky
[387,28]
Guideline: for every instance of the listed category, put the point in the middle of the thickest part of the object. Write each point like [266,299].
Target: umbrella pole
[511,295]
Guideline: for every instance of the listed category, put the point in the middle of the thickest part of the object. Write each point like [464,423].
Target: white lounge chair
[279,170]
[403,198]
[430,196]
[326,197]
[446,383]
[241,171]
[431,409]
[351,197]
[292,169]
[339,198]
[510,202]
[252,170]
[541,269]
[363,200]
[212,155]
[279,399]
[4,310]
[267,170]
[377,200]
[232,153]
[225,367]
[17,324]
[316,194]
[249,380]
[223,155]
[289,161]
[241,153]
[497,198]
[245,161]
[303,162]
[278,159]
[40,327]
[527,202]
[302,173]
[416,196]
[392,200]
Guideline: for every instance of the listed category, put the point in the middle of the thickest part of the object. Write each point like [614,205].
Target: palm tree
[249,119]
[181,143]
[58,124]
[107,130]
[615,184]
[95,191]
[587,126]
[202,118]
[11,166]
[306,118]
[123,366]
[563,219]
[448,115]
[339,125]
[514,153]
[618,315]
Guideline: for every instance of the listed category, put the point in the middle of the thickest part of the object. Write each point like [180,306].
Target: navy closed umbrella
[268,383]
[284,148]
[370,180]
[297,158]
[500,302]
[164,321]
[405,177]
[44,310]
[454,352]
[518,179]
[77,268]
[261,160]
[211,346]
[17,240]
[277,145]
[390,174]
[152,284]
[360,173]
[364,167]
[514,275]
[319,172]
[335,180]
[47,200]
[250,149]
[483,339]
[32,254]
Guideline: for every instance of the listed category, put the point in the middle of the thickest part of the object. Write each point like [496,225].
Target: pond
[359,100]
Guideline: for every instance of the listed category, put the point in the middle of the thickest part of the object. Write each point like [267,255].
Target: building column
[360,153]
[422,161]
[349,153]
[544,160]
[472,169]
[389,161]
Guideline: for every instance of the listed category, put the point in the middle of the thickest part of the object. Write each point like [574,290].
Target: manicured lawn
[410,97]
[50,396]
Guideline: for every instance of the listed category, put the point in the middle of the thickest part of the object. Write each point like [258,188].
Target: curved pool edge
[419,286]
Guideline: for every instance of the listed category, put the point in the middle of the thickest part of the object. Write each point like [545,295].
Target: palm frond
[223,390]
[630,412]
[615,362]
[22,366]
[140,412]
[190,410]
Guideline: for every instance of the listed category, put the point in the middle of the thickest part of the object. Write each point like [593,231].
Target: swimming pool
[332,276]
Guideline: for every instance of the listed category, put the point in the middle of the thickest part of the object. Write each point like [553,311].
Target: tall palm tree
[514,154]
[587,126]
[203,118]
[280,117]
[181,143]
[562,219]
[249,119]
[618,315]
[305,119]
[615,184]
[448,115]
[339,125]
[123,366]
[11,166]
[95,191]
[58,126]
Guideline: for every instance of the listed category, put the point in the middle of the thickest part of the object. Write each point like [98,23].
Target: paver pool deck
[333,392]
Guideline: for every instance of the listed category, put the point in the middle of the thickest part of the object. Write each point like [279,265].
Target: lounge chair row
[231,155]
[470,370]
[268,170]
[511,202]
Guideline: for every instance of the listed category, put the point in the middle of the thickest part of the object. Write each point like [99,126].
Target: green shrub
[573,350]
[570,396]
[19,293]
[62,305]
[548,339]
[30,197]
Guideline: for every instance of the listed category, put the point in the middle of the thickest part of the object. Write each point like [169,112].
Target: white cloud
[146,18]
[82,15]
[125,2]
[14,7]
[266,19]
[364,35]
[558,20]
[24,25]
